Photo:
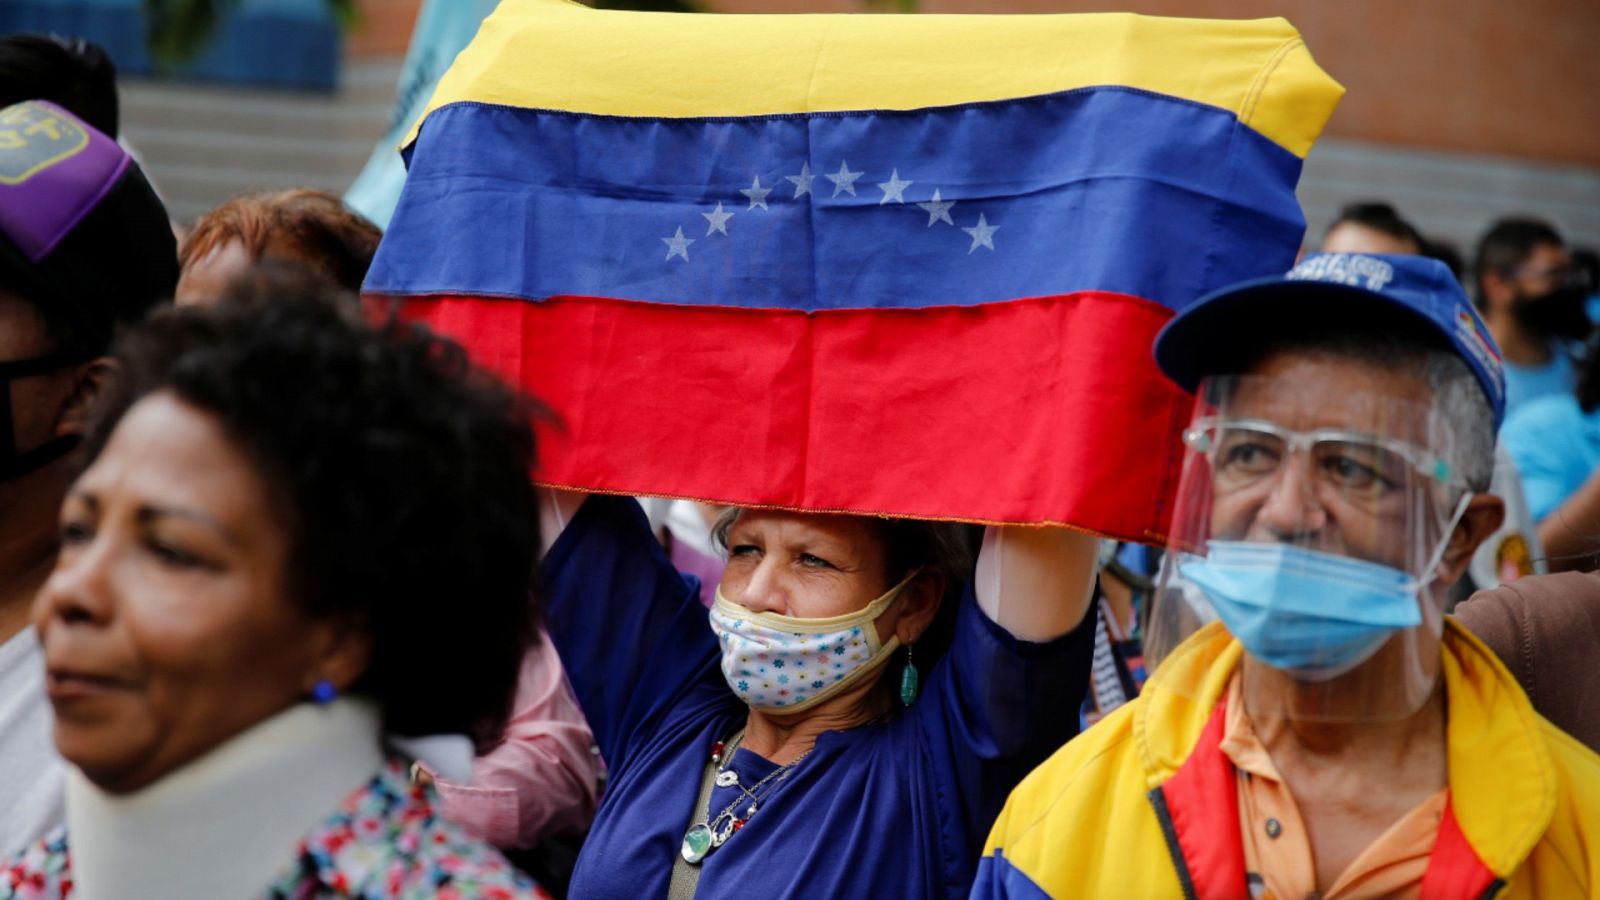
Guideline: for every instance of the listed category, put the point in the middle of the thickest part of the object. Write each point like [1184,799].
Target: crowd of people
[283,614]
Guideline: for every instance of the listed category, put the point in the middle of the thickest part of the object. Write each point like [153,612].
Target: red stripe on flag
[943,412]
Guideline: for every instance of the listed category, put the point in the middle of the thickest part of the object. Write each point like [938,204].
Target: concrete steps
[202,144]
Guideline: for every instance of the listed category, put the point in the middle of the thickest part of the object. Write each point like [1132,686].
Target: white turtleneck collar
[228,823]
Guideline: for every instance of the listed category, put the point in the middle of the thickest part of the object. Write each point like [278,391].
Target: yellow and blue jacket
[1144,804]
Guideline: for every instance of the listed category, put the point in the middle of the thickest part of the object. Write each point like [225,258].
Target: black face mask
[1558,314]
[12,463]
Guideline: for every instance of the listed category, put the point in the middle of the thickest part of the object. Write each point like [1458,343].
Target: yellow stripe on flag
[560,55]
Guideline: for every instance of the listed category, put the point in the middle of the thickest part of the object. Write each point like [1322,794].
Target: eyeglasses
[1247,452]
[1561,274]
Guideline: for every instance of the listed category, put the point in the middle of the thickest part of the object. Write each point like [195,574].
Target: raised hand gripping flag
[906,265]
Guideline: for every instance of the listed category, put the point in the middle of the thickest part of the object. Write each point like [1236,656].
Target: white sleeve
[556,509]
[1036,582]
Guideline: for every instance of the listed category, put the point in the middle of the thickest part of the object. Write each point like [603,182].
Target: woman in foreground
[299,541]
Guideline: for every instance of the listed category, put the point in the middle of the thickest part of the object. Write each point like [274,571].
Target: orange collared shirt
[1277,848]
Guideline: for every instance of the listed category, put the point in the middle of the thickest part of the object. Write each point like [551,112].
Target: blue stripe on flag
[1095,189]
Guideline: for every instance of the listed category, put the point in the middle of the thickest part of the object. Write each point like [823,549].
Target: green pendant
[696,844]
[908,684]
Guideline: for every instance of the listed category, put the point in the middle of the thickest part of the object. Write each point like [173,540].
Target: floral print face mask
[786,664]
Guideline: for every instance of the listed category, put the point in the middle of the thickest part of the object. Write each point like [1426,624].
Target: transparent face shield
[1311,522]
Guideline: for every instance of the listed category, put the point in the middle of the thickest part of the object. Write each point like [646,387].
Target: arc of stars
[844,182]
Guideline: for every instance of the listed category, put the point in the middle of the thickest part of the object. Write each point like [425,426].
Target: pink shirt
[541,780]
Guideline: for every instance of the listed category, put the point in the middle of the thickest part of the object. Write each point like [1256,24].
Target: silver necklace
[710,833]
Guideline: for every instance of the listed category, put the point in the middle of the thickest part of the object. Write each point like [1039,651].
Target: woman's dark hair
[401,470]
[72,73]
[943,548]
[1380,217]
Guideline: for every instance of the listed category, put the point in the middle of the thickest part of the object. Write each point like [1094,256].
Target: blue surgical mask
[1317,615]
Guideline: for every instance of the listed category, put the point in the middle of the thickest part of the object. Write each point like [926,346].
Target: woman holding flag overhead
[848,722]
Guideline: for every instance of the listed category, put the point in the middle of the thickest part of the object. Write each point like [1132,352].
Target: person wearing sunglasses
[1533,306]
[1315,725]
[1554,441]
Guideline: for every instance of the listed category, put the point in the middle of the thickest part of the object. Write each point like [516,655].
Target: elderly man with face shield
[1317,727]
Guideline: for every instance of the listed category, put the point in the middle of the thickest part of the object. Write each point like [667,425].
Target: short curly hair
[404,473]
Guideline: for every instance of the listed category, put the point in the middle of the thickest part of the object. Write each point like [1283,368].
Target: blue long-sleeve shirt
[895,809]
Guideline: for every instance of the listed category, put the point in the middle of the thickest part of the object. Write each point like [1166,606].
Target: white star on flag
[756,193]
[982,234]
[802,182]
[844,180]
[718,222]
[938,211]
[893,189]
[678,245]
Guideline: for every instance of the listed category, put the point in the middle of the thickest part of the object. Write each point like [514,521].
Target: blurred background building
[1458,111]
[280,95]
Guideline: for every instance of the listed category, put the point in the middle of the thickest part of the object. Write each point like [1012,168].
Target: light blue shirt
[1528,383]
[1556,445]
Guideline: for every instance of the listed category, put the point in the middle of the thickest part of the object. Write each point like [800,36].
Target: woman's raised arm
[1036,582]
[556,509]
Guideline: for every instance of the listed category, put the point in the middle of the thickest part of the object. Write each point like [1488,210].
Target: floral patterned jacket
[386,840]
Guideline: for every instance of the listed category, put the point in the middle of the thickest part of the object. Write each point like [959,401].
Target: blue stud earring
[908,680]
[323,692]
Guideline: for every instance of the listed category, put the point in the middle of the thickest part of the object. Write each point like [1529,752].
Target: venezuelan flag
[906,265]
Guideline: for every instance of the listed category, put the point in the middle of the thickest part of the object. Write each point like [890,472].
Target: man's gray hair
[1459,399]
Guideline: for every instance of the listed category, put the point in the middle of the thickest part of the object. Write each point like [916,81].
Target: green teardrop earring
[908,680]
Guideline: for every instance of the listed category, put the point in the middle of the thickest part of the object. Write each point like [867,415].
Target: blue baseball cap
[1220,330]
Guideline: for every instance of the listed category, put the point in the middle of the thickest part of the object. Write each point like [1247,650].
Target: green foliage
[178,30]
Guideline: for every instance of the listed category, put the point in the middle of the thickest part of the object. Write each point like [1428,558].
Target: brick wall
[1505,77]
[384,28]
